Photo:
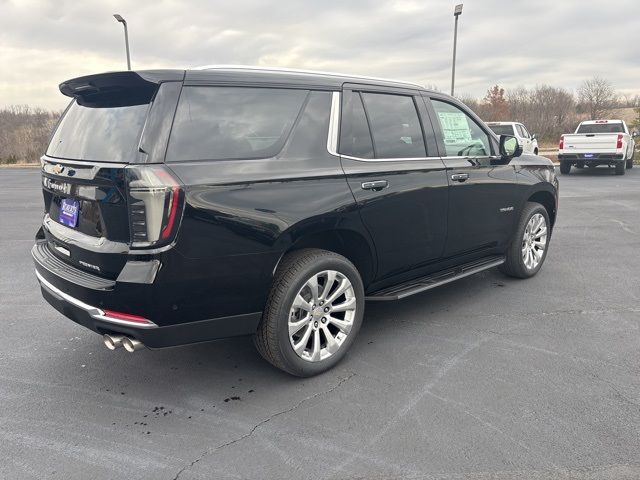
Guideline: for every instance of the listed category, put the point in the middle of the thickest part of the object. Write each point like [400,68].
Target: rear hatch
[100,175]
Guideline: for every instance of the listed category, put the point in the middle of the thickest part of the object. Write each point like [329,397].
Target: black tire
[565,167]
[272,338]
[621,167]
[630,164]
[514,265]
[535,151]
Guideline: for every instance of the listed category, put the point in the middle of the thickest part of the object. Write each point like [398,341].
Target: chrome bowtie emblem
[58,169]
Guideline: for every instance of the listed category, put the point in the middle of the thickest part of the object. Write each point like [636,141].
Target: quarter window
[214,123]
[395,126]
[461,135]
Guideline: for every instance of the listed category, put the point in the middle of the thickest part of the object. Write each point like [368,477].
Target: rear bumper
[85,305]
[594,158]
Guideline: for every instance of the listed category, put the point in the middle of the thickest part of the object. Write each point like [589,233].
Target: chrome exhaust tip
[112,341]
[131,344]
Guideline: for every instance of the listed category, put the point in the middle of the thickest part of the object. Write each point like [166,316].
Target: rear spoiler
[117,89]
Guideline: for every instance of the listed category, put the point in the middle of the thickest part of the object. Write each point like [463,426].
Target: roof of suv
[294,76]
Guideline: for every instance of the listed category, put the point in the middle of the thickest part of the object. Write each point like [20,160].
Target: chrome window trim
[94,312]
[406,159]
[334,124]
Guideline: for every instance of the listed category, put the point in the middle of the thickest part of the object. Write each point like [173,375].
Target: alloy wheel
[322,315]
[534,241]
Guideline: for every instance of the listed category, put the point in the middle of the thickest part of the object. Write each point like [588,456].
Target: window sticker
[455,127]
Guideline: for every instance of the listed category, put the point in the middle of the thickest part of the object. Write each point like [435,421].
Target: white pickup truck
[597,142]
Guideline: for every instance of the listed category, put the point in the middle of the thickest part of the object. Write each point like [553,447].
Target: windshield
[502,129]
[601,128]
[105,134]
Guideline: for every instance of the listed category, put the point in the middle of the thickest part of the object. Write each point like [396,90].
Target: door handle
[375,186]
[459,177]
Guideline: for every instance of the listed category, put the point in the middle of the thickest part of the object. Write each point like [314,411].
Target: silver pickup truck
[597,142]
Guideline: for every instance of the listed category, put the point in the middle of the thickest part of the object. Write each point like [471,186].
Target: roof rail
[295,70]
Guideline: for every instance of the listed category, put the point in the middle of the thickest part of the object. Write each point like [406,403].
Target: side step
[435,279]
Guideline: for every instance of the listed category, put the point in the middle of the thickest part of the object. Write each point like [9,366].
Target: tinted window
[355,137]
[106,134]
[461,135]
[214,123]
[395,126]
[601,128]
[309,137]
[502,129]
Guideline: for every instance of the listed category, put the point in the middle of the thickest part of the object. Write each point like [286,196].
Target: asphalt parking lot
[487,378]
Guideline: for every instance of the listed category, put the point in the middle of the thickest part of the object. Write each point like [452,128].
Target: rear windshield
[502,129]
[104,134]
[601,128]
[215,123]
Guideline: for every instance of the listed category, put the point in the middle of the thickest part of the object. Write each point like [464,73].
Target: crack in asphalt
[261,423]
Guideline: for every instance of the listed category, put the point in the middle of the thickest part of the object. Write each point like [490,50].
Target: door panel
[483,192]
[402,201]
[407,219]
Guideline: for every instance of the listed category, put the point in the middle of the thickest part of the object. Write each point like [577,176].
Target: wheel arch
[351,244]
[547,200]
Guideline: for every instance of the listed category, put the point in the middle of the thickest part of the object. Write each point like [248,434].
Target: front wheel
[620,167]
[528,249]
[313,313]
[565,167]
[630,163]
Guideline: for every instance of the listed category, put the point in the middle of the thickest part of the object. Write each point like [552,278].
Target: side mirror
[534,137]
[510,147]
[634,134]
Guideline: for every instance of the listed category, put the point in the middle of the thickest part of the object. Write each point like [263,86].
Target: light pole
[456,13]
[126,37]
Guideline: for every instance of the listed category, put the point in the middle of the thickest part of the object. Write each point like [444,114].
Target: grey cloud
[518,42]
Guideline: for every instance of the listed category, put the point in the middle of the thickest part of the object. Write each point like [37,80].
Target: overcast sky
[509,42]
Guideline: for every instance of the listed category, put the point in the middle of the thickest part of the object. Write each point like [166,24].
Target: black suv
[186,206]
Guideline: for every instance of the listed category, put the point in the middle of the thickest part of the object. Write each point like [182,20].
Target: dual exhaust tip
[113,341]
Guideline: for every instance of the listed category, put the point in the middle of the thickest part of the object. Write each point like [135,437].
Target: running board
[435,279]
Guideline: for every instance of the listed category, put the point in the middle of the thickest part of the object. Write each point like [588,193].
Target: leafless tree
[24,133]
[596,96]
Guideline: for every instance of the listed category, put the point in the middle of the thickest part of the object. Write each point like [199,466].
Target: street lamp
[456,13]
[126,37]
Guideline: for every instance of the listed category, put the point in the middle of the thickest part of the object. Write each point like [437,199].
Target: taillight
[561,146]
[156,201]
[619,144]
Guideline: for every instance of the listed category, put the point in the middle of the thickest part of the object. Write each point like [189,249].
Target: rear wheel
[313,313]
[620,167]
[565,167]
[528,249]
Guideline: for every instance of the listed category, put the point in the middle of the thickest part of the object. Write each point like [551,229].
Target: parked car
[597,142]
[528,142]
[187,206]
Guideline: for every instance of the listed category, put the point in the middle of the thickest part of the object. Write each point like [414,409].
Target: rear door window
[461,135]
[215,123]
[395,126]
